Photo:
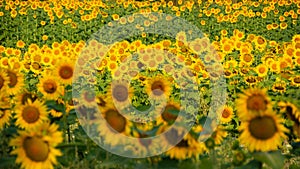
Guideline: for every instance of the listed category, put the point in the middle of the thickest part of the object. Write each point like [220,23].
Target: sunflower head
[31,114]
[262,132]
[158,87]
[252,102]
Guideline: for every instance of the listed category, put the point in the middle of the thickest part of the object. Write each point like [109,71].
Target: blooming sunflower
[262,70]
[295,81]
[158,87]
[218,135]
[50,87]
[226,114]
[36,149]
[279,87]
[169,114]
[15,83]
[113,124]
[121,93]
[262,132]
[31,114]
[64,71]
[252,101]
[182,146]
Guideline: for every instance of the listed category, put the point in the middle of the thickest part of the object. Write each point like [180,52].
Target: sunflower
[169,113]
[5,115]
[252,101]
[112,124]
[262,70]
[4,79]
[295,81]
[31,114]
[16,82]
[158,87]
[291,110]
[50,87]
[36,148]
[64,71]
[279,87]
[262,132]
[226,114]
[251,80]
[184,148]
[88,98]
[121,93]
[218,135]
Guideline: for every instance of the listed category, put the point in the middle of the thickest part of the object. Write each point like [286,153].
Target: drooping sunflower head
[251,102]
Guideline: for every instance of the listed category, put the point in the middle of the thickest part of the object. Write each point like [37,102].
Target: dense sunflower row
[136,87]
[32,21]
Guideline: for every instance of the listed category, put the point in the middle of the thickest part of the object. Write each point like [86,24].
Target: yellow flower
[64,71]
[20,44]
[262,132]
[36,148]
[31,114]
[158,87]
[44,37]
[226,114]
[16,81]
[253,101]
[50,87]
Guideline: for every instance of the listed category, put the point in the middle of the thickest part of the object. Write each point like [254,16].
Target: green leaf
[274,159]
[251,165]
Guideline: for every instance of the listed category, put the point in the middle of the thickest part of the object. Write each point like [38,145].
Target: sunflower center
[170,113]
[115,120]
[183,143]
[279,88]
[36,149]
[89,96]
[262,128]
[50,86]
[173,136]
[1,82]
[257,102]
[66,72]
[30,114]
[157,88]
[120,93]
[13,79]
[247,57]
[225,113]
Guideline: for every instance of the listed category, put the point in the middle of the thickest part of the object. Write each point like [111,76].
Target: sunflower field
[150,84]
